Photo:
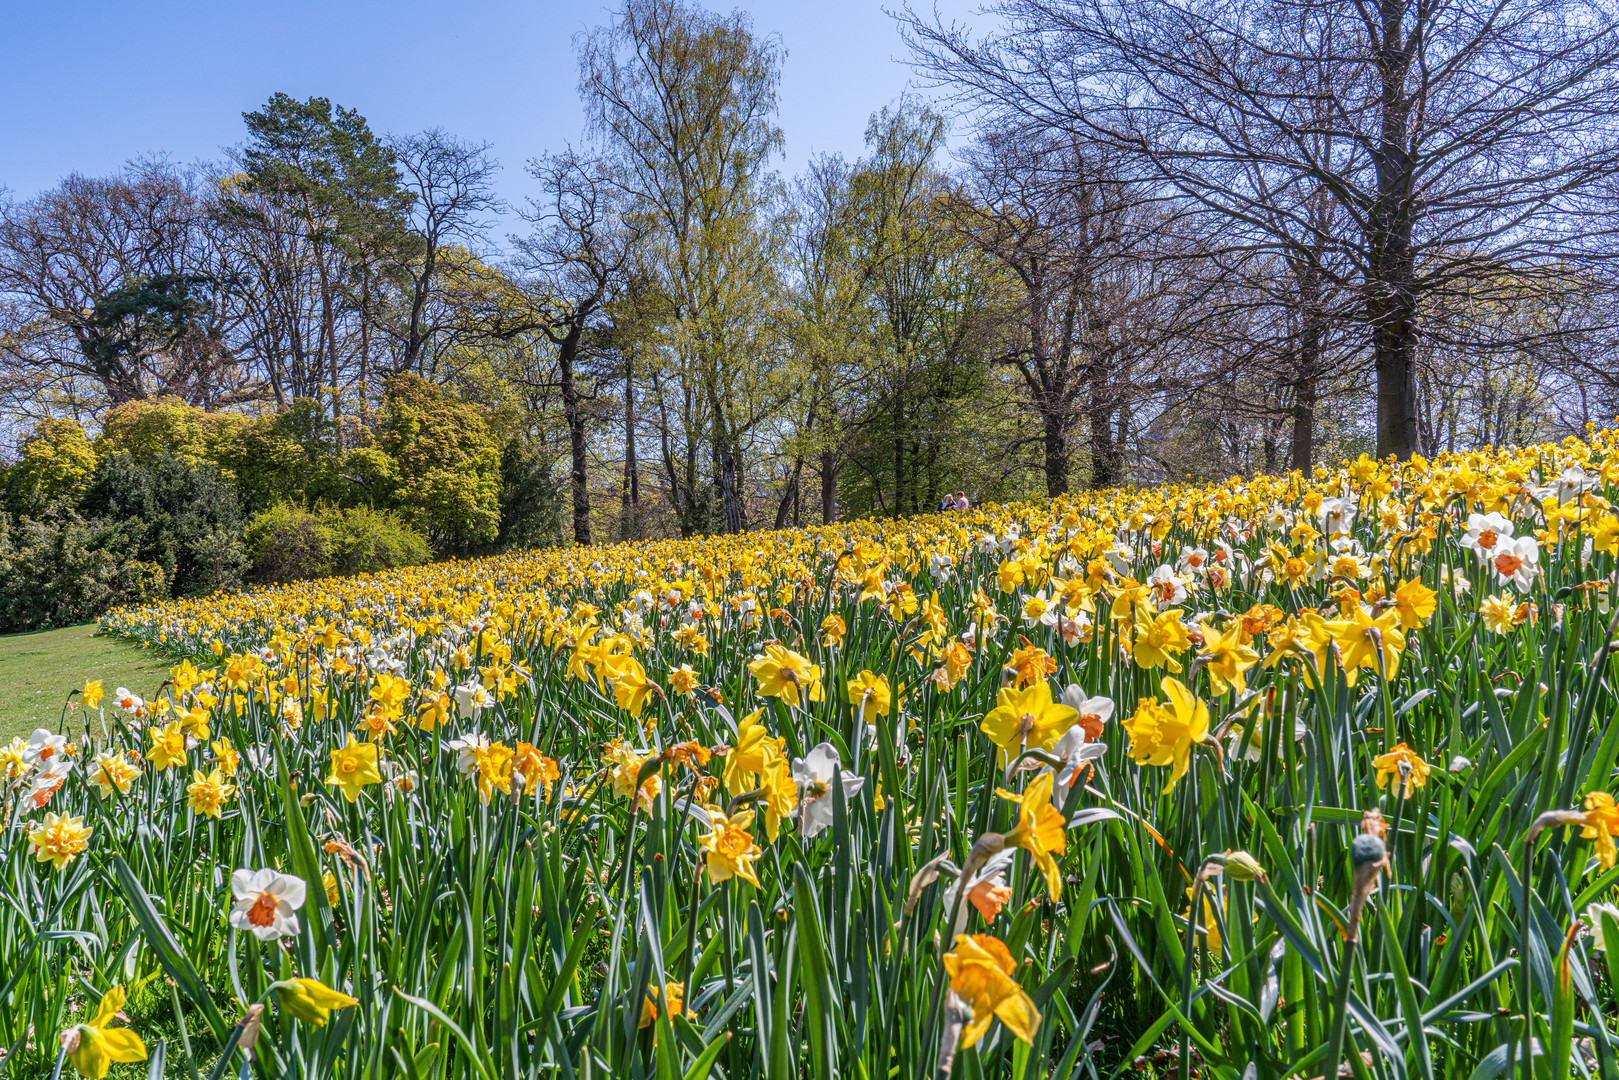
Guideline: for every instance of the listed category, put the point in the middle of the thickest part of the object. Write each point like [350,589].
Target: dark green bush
[179,514]
[63,570]
[289,543]
[530,504]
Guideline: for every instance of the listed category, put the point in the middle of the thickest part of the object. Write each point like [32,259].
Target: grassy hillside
[38,669]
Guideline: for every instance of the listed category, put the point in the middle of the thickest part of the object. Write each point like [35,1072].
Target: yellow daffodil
[533,768]
[59,839]
[784,674]
[1414,604]
[981,971]
[1027,720]
[1159,639]
[1165,734]
[1404,767]
[168,746]
[229,759]
[112,773]
[1367,642]
[729,847]
[672,997]
[353,767]
[832,631]
[1226,658]
[631,686]
[870,695]
[206,795]
[1040,830]
[1600,819]
[311,1000]
[752,754]
[95,1045]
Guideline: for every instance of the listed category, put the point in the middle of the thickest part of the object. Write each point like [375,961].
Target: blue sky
[85,85]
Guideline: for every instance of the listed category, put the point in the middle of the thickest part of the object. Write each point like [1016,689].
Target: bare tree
[114,293]
[576,260]
[451,180]
[1466,139]
[682,103]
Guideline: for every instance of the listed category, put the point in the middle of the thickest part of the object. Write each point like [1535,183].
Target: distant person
[961,501]
[947,503]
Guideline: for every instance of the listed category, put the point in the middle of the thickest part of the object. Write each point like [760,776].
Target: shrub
[288,543]
[294,457]
[150,429]
[177,513]
[366,540]
[64,570]
[530,504]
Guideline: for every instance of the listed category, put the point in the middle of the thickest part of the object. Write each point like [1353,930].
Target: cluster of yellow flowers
[1192,590]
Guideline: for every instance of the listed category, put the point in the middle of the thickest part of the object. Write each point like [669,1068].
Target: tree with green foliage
[180,514]
[57,462]
[343,186]
[448,462]
[157,331]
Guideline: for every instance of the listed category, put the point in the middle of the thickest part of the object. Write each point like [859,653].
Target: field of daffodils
[1281,777]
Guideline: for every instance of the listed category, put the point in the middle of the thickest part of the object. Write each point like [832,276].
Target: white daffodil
[50,775]
[472,698]
[1038,610]
[1193,560]
[1337,516]
[43,746]
[1603,919]
[1121,555]
[1517,561]
[1484,533]
[1570,483]
[469,750]
[985,889]
[1166,587]
[1077,751]
[1074,629]
[1248,743]
[267,903]
[814,774]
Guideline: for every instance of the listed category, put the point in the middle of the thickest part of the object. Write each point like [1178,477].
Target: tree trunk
[574,416]
[829,487]
[1056,447]
[728,492]
[789,496]
[630,499]
[899,452]
[1394,348]
[420,289]
[1304,424]
[1104,461]
[1392,303]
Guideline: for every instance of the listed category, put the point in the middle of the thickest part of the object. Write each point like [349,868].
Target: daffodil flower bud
[311,1000]
[1241,866]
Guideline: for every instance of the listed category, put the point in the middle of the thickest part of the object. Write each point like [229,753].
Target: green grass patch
[38,669]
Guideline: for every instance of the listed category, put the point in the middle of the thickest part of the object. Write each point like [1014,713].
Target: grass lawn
[38,669]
